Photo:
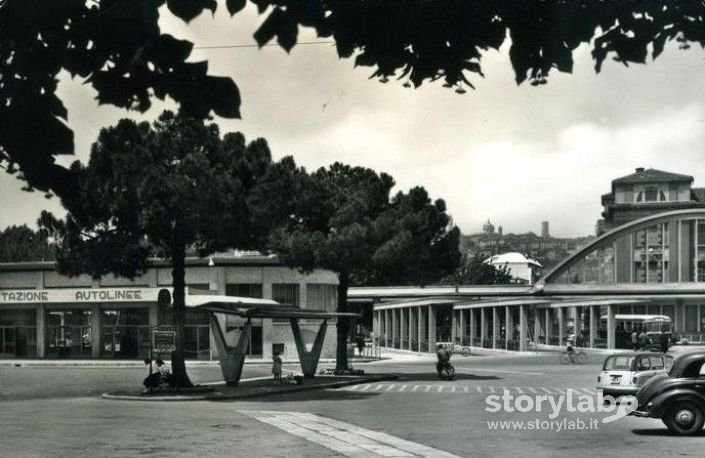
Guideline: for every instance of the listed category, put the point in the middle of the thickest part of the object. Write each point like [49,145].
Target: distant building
[488,228]
[546,250]
[649,191]
[47,315]
[521,268]
[544,230]
[661,253]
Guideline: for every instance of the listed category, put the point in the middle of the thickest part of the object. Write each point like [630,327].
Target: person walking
[635,340]
[643,340]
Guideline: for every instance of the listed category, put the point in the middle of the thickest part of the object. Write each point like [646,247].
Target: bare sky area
[515,155]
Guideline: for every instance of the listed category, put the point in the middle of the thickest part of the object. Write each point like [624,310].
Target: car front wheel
[684,418]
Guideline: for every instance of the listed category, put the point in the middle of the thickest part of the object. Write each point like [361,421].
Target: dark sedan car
[677,398]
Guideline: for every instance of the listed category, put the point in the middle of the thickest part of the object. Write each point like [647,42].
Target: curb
[215,397]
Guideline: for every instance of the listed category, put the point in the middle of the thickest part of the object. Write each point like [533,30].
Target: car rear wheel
[684,418]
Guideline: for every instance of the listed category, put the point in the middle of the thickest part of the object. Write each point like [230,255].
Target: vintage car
[678,397]
[625,373]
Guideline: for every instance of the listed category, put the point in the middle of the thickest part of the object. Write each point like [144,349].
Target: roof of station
[448,292]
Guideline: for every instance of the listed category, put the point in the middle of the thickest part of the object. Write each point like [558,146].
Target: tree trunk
[343,324]
[178,278]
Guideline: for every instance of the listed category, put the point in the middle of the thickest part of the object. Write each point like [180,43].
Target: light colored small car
[623,374]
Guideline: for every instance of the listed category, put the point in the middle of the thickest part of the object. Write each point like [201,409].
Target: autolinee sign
[31,296]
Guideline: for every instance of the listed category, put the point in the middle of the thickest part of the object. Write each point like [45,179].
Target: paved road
[416,415]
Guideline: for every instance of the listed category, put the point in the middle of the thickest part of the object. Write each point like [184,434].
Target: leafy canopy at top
[117,47]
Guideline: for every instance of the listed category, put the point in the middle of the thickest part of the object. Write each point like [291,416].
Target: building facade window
[700,250]
[691,318]
[244,290]
[286,293]
[321,297]
[651,254]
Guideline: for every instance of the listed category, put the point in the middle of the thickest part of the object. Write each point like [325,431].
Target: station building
[650,260]
[47,315]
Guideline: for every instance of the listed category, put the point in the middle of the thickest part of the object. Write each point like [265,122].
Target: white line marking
[378,387]
[465,388]
[533,390]
[498,371]
[354,387]
[402,388]
[491,389]
[366,387]
[452,389]
[519,389]
[345,438]
[428,388]
[547,391]
[589,391]
[560,390]
[479,389]
[440,388]
[389,388]
[415,387]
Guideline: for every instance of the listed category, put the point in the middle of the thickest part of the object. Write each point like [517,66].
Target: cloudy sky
[515,155]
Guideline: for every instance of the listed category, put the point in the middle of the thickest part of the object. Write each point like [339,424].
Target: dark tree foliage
[342,219]
[416,243]
[116,46]
[160,189]
[20,244]
[473,270]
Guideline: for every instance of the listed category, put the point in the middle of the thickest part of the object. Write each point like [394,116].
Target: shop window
[125,333]
[69,333]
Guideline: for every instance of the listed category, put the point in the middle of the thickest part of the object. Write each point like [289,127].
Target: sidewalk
[253,388]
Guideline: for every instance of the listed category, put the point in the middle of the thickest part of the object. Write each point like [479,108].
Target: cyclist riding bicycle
[443,356]
[570,343]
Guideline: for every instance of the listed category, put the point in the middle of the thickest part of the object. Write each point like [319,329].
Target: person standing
[663,341]
[360,340]
[643,340]
[277,368]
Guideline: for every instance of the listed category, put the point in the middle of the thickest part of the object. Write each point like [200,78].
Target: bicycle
[446,371]
[574,357]
[463,349]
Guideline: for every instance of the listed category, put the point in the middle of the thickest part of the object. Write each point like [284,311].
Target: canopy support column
[308,359]
[231,360]
[523,327]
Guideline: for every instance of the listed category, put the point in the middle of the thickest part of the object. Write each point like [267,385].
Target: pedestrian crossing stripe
[462,389]
[343,438]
